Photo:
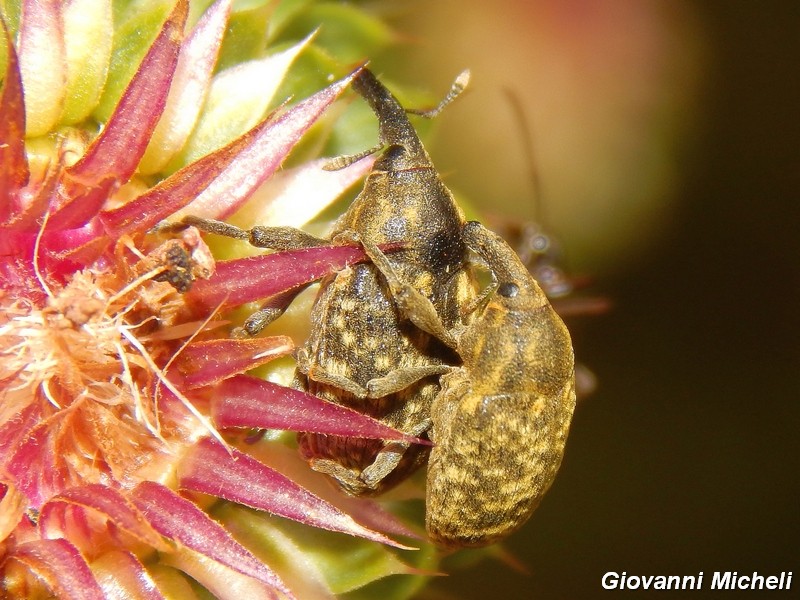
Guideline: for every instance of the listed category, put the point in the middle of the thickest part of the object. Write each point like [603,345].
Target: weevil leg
[315,372]
[276,238]
[410,302]
[349,479]
[400,379]
[480,300]
[389,457]
[269,311]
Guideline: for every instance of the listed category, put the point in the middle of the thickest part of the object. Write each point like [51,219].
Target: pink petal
[181,520]
[375,516]
[207,362]
[260,160]
[14,171]
[83,200]
[189,87]
[255,277]
[121,575]
[120,145]
[17,428]
[12,509]
[33,201]
[369,512]
[295,196]
[42,63]
[58,516]
[59,564]
[211,469]
[178,190]
[226,177]
[244,401]
[61,253]
[28,455]
[35,467]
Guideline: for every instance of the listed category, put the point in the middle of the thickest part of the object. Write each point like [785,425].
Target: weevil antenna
[459,85]
[530,155]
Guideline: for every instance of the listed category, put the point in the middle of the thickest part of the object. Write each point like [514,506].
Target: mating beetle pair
[408,339]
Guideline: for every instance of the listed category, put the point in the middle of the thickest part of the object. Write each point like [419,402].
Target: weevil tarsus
[269,311]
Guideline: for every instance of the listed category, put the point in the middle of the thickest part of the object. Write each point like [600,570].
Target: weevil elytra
[363,350]
[500,421]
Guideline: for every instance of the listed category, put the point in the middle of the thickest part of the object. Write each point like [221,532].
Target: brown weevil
[500,421]
[363,350]
[385,336]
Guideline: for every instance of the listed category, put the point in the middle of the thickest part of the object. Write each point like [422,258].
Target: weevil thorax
[501,420]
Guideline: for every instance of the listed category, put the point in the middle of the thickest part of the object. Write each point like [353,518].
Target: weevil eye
[394,153]
[508,289]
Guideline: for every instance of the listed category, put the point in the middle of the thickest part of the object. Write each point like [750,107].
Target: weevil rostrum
[406,339]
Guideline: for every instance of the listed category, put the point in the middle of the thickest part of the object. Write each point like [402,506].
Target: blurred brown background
[666,135]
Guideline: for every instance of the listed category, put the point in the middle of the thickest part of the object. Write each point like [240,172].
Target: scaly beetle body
[501,420]
[383,333]
[358,333]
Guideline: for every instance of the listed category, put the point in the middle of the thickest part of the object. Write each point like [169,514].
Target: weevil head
[404,149]
[516,288]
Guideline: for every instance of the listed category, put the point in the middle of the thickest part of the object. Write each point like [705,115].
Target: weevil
[363,350]
[500,421]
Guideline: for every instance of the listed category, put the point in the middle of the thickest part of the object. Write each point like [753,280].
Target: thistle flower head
[123,401]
